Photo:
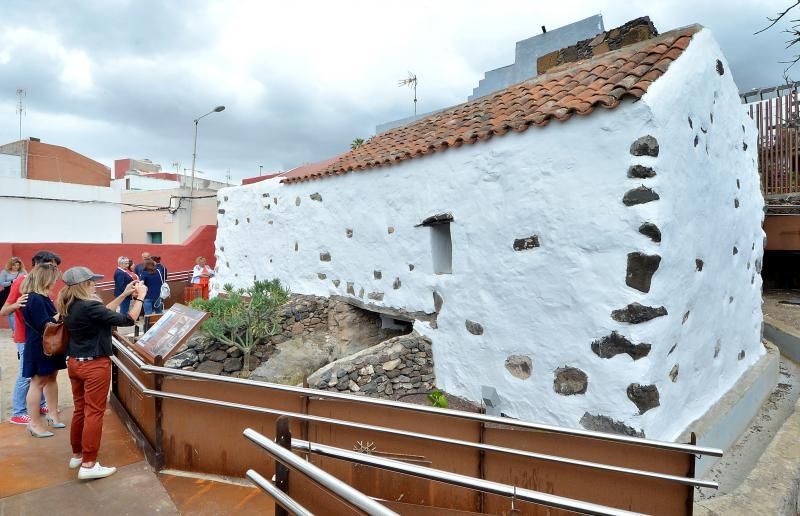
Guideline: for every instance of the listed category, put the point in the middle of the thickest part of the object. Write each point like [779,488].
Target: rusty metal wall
[207,438]
[618,490]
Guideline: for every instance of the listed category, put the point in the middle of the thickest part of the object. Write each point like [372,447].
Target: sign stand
[167,334]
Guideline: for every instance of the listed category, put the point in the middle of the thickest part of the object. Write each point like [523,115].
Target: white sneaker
[75,463]
[96,471]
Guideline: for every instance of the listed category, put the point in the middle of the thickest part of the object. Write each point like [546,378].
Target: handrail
[279,496]
[455,479]
[404,433]
[319,476]
[686,448]
[173,276]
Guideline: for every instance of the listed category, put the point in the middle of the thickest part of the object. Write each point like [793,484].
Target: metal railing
[319,476]
[172,276]
[279,496]
[778,123]
[483,447]
[455,479]
[301,391]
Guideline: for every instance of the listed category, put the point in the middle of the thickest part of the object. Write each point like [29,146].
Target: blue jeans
[153,306]
[21,388]
[12,323]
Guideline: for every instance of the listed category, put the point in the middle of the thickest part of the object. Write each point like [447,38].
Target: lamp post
[259,170]
[194,151]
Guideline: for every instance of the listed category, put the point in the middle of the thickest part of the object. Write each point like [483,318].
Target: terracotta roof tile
[576,87]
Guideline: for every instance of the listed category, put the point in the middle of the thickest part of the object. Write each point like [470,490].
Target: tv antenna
[411,82]
[20,108]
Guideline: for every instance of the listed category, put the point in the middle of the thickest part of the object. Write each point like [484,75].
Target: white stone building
[598,270]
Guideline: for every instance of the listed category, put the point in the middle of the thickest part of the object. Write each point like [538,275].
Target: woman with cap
[41,369]
[89,324]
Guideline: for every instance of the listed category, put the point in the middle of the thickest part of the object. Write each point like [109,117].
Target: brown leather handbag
[55,338]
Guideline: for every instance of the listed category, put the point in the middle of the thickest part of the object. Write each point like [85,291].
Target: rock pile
[396,367]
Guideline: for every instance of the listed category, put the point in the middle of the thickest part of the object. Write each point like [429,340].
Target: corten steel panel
[140,407]
[618,490]
[391,486]
[783,233]
[208,439]
[314,498]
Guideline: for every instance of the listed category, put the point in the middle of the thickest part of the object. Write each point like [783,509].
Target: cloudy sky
[300,80]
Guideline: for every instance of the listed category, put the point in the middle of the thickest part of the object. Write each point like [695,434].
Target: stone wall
[314,331]
[396,367]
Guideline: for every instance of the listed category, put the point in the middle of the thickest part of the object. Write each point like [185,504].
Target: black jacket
[89,325]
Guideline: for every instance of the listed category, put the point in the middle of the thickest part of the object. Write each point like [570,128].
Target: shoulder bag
[55,337]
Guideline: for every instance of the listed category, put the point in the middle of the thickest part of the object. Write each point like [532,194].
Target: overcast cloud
[300,80]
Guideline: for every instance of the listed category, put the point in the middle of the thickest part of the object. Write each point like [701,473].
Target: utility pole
[20,108]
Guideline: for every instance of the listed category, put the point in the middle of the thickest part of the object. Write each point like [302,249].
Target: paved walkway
[36,480]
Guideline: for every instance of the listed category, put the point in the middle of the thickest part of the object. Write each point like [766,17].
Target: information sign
[168,333]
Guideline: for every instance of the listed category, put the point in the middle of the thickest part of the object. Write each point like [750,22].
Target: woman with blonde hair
[41,369]
[89,324]
[14,268]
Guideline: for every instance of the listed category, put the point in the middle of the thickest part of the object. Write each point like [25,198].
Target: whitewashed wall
[564,183]
[31,220]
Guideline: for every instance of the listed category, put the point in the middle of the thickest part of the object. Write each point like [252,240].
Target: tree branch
[776,20]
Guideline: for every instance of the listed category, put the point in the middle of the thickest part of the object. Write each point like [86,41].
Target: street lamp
[194,151]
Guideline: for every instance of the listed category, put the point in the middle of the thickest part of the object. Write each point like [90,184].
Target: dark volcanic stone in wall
[600,423]
[473,327]
[520,366]
[640,195]
[521,244]
[615,344]
[641,172]
[316,197]
[651,231]
[569,381]
[645,397]
[641,268]
[325,257]
[636,313]
[645,146]
[698,264]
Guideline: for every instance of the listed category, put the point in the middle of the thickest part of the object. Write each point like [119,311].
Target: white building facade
[598,272]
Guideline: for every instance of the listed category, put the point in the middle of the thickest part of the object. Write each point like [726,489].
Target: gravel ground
[9,368]
[785,313]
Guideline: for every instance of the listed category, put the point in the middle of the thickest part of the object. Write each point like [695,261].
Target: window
[441,242]
[154,237]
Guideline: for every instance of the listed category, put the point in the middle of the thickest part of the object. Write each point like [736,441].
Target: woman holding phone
[89,324]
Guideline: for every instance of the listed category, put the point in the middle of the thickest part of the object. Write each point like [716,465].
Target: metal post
[159,415]
[194,152]
[283,436]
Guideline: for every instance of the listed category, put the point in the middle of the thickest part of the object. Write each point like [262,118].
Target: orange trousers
[90,381]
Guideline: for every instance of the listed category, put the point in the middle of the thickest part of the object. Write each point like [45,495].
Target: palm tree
[358,142]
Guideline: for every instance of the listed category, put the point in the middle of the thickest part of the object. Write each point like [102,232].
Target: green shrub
[438,399]
[244,317]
